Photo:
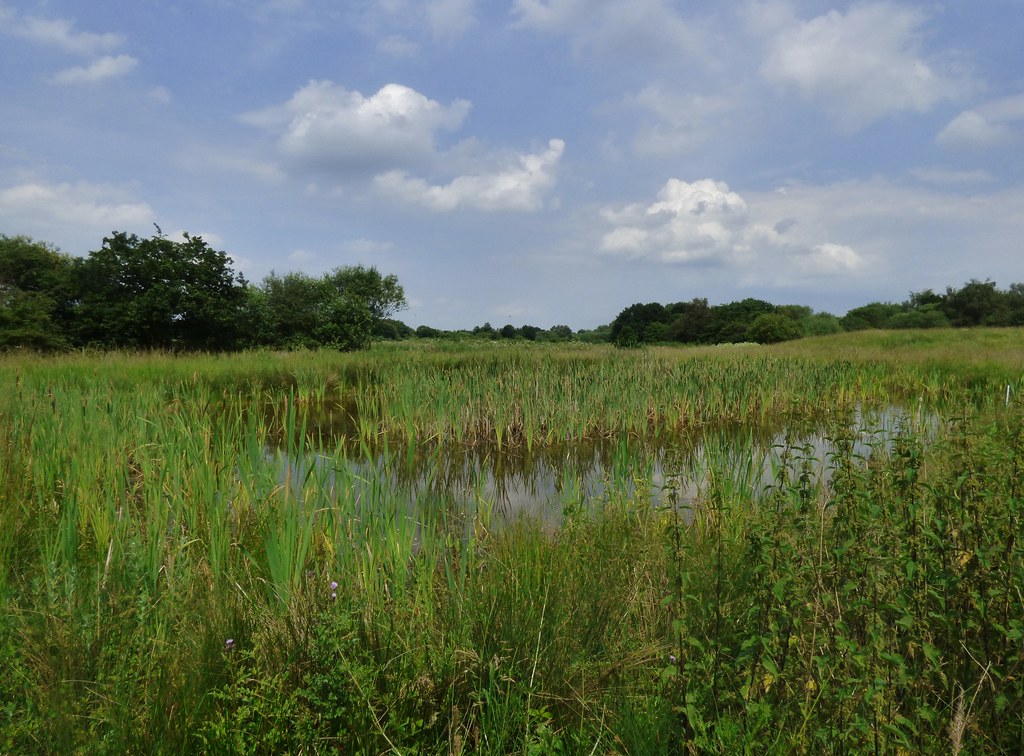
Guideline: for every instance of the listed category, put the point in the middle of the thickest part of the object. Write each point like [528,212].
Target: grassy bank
[191,559]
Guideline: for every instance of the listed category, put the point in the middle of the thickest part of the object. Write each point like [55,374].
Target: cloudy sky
[532,161]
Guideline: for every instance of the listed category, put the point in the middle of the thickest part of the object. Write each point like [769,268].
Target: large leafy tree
[341,309]
[159,293]
[35,294]
[382,295]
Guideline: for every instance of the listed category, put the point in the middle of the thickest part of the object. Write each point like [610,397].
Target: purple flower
[334,585]
[229,644]
[672,658]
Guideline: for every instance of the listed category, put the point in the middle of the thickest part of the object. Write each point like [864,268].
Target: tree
[731,322]
[383,296]
[631,326]
[560,333]
[691,322]
[872,315]
[773,327]
[976,303]
[158,293]
[530,332]
[820,324]
[35,295]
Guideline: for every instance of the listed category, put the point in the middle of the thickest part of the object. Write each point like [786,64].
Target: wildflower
[229,644]
[334,586]
[672,658]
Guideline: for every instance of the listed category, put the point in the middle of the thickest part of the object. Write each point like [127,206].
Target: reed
[308,551]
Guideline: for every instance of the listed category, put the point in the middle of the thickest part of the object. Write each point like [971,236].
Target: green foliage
[35,295]
[873,315]
[158,294]
[154,506]
[342,309]
[820,324]
[771,328]
[637,324]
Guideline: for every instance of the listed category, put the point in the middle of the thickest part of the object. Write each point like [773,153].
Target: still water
[546,482]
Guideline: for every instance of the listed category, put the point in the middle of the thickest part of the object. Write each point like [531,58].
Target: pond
[545,482]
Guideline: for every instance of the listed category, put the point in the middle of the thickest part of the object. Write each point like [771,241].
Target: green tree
[691,322]
[871,315]
[158,293]
[773,327]
[820,324]
[976,303]
[560,333]
[35,295]
[382,295]
[731,322]
[633,326]
[292,307]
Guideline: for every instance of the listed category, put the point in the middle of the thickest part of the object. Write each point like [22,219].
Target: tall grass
[224,554]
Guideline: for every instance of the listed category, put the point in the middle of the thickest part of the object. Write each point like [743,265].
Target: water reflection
[547,481]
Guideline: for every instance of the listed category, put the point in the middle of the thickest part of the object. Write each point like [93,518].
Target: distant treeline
[976,303]
[158,293]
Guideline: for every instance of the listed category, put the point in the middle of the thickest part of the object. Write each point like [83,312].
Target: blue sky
[532,161]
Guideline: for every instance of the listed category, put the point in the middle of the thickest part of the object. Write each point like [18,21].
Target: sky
[532,162]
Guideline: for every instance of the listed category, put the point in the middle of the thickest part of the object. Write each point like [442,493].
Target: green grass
[153,507]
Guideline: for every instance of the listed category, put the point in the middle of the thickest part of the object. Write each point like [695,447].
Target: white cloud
[107,67]
[60,33]
[686,121]
[612,27]
[37,204]
[439,20]
[520,186]
[862,65]
[689,222]
[398,46]
[449,19]
[944,176]
[994,124]
[706,223]
[833,258]
[326,125]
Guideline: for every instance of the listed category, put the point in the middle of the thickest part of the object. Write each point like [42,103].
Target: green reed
[310,509]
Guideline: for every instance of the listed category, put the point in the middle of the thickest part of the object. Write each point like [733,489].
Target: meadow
[303,552]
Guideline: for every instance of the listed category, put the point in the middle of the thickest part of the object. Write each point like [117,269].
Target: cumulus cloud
[326,125]
[859,66]
[994,124]
[38,204]
[612,27]
[520,186]
[707,223]
[106,67]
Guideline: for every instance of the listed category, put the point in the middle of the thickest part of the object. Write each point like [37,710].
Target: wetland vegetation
[310,552]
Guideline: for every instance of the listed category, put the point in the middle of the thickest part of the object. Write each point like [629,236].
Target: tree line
[976,303]
[158,293]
